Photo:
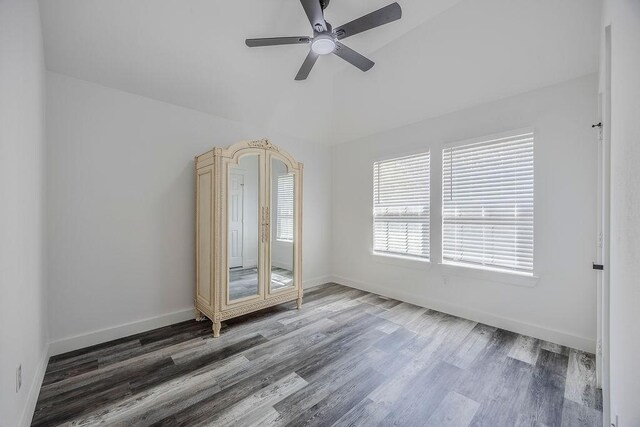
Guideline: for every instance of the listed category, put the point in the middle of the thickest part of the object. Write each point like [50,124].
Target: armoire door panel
[204,236]
[281,253]
[243,228]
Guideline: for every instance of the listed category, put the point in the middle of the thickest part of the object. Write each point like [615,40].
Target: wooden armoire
[248,230]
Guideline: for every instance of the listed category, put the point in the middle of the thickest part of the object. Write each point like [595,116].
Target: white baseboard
[279,264]
[316,281]
[103,335]
[249,263]
[76,342]
[96,337]
[34,389]
[524,328]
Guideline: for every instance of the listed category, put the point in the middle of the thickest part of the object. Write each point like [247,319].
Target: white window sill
[489,274]
[401,261]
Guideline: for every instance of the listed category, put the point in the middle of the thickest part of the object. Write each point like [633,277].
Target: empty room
[320,213]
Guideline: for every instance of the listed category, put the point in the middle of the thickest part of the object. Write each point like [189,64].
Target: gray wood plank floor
[243,282]
[348,358]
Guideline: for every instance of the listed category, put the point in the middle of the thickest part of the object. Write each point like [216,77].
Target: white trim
[388,174]
[34,389]
[529,329]
[470,246]
[76,342]
[283,240]
[486,273]
[280,265]
[316,281]
[108,334]
[250,263]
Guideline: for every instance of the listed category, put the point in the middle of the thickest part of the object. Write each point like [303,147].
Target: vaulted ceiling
[441,56]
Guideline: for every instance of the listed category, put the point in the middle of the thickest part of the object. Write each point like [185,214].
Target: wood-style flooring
[347,358]
[243,282]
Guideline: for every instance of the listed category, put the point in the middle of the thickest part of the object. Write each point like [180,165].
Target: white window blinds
[487,206]
[401,206]
[285,208]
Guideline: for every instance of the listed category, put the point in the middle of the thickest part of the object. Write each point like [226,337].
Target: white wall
[121,211]
[23,332]
[472,53]
[562,305]
[624,18]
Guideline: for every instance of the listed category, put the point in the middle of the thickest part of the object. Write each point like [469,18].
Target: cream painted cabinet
[248,230]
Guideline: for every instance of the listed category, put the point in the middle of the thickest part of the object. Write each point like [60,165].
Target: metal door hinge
[598,266]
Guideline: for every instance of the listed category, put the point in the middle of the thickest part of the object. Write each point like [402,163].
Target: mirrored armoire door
[281,259]
[248,230]
[245,236]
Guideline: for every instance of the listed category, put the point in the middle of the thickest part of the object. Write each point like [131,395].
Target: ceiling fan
[325,38]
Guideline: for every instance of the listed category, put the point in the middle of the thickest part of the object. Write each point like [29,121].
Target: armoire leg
[216,328]
[199,316]
[299,303]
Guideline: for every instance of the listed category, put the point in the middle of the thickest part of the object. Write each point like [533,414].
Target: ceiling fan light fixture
[323,44]
[325,38]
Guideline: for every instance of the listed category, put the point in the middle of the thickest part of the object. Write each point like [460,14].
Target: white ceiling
[441,56]
[475,52]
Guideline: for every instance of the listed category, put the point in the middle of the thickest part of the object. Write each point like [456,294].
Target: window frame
[278,217]
[400,259]
[513,276]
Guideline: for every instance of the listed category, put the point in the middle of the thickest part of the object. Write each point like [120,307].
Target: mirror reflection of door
[243,227]
[282,226]
[236,184]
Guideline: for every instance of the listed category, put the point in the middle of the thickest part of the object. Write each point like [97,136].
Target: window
[401,206]
[285,208]
[487,204]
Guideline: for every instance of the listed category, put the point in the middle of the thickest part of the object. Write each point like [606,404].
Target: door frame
[241,173]
[603,229]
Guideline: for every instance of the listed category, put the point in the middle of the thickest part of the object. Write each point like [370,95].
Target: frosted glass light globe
[323,44]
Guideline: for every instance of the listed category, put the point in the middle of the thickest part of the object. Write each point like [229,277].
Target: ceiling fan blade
[353,57]
[275,41]
[313,9]
[382,16]
[307,65]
